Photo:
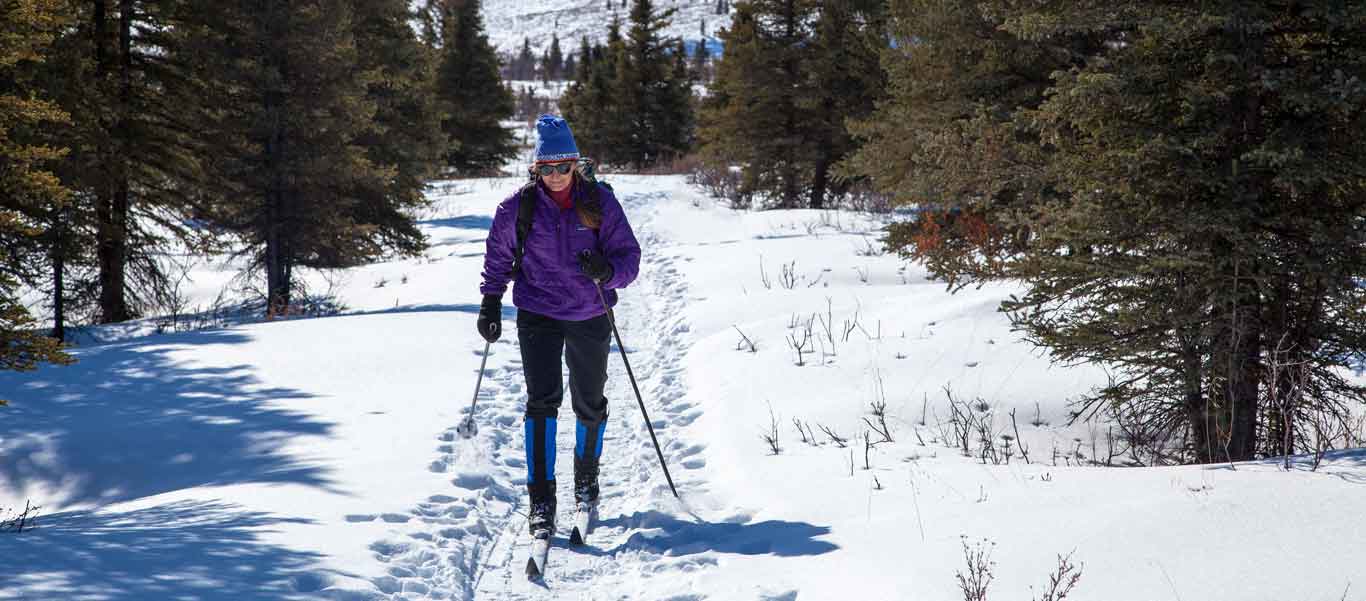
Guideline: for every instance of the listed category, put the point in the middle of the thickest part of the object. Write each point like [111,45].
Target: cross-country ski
[583,523]
[537,554]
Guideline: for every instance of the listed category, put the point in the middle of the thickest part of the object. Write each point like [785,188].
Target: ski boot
[585,498]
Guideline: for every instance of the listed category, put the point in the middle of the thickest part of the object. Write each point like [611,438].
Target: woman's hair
[587,204]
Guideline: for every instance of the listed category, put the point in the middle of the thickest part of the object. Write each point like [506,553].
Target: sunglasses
[547,169]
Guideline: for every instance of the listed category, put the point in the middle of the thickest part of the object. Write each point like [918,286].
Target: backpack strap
[526,210]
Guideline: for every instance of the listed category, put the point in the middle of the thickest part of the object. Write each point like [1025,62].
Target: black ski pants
[584,346]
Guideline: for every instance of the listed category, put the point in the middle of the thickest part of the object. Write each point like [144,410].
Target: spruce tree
[846,81]
[1219,182]
[569,68]
[293,102]
[29,191]
[472,95]
[555,58]
[525,62]
[406,134]
[590,102]
[1178,188]
[754,115]
[944,139]
[677,116]
[134,165]
[582,100]
[699,65]
[655,107]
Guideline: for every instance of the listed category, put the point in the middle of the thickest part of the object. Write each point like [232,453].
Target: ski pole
[621,347]
[467,428]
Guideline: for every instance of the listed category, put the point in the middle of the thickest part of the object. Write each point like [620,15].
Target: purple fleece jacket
[550,282]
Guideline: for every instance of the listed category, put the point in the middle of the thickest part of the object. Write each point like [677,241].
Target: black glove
[595,266]
[491,318]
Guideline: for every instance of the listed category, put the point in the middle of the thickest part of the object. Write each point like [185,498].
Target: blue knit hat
[554,141]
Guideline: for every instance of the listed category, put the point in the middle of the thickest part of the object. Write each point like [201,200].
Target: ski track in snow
[472,542]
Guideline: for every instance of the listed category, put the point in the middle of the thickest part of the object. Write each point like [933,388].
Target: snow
[317,458]
[509,22]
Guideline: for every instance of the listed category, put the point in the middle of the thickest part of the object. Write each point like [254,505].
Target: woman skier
[564,242]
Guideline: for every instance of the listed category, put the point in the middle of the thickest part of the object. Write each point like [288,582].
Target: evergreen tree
[134,165]
[588,104]
[755,113]
[293,100]
[677,116]
[699,67]
[28,191]
[1203,184]
[406,134]
[555,59]
[569,68]
[655,106]
[525,62]
[1179,188]
[472,95]
[846,79]
[944,138]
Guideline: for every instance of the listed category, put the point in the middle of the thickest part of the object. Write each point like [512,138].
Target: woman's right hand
[490,322]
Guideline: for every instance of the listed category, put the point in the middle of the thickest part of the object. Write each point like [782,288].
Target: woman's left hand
[595,266]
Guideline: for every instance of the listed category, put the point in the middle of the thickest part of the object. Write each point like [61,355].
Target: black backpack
[526,208]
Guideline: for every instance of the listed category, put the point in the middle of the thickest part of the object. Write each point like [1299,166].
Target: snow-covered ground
[317,458]
[509,22]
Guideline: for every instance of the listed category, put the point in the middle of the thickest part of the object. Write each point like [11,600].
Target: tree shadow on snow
[463,222]
[129,420]
[662,533]
[182,550]
[1349,464]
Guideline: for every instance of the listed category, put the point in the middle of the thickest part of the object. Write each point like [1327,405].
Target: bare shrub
[804,430]
[860,196]
[1024,451]
[745,342]
[722,182]
[975,581]
[839,441]
[771,435]
[680,165]
[878,407]
[1063,579]
[19,520]
[788,278]
[800,345]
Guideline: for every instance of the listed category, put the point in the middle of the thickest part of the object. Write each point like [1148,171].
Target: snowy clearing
[317,458]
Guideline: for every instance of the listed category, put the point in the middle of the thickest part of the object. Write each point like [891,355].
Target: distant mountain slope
[509,21]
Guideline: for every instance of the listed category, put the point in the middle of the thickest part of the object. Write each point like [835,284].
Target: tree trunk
[1193,376]
[277,259]
[1283,353]
[820,180]
[58,273]
[1245,367]
[122,204]
[110,231]
[1246,387]
[1235,368]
